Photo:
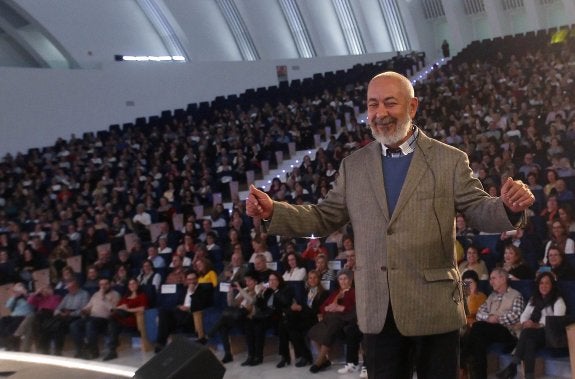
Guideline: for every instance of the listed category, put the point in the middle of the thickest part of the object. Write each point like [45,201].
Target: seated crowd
[101,197]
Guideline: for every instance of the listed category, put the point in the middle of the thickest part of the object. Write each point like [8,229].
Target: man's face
[260,264]
[498,282]
[390,109]
[104,285]
[191,280]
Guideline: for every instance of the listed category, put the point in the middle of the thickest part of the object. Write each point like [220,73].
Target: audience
[546,301]
[86,196]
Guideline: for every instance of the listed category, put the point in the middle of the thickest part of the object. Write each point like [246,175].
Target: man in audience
[194,298]
[68,311]
[497,321]
[261,268]
[94,320]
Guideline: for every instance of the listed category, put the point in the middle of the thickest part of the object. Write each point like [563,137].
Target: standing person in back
[401,194]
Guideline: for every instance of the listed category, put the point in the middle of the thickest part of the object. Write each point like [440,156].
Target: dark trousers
[114,330]
[300,346]
[297,326]
[391,355]
[171,320]
[283,339]
[352,337]
[481,335]
[223,327]
[529,341]
[60,335]
[42,339]
[255,331]
[86,330]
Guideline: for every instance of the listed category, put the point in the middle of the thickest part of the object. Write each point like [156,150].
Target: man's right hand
[259,204]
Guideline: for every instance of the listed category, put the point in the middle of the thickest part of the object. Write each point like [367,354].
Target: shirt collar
[406,148]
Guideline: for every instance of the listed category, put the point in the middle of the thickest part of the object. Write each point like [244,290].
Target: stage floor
[37,366]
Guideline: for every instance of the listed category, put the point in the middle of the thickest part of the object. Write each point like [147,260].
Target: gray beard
[396,137]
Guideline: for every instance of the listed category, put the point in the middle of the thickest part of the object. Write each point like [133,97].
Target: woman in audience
[207,276]
[240,307]
[321,267]
[260,246]
[551,176]
[566,218]
[513,263]
[473,297]
[472,262]
[27,264]
[120,279]
[294,269]
[124,316]
[560,238]
[181,252]
[558,265]
[300,318]
[338,317]
[148,276]
[269,306]
[149,281]
[546,301]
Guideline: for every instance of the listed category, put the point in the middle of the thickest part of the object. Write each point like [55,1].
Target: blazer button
[383,268]
[389,231]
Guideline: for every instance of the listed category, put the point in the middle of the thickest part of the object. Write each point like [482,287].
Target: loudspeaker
[182,359]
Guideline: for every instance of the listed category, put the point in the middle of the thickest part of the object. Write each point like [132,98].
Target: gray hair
[346,272]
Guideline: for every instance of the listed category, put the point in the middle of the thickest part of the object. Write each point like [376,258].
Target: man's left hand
[516,195]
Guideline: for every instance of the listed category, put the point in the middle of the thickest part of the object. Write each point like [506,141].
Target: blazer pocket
[441,274]
[447,279]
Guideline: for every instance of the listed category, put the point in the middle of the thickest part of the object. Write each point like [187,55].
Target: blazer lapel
[376,178]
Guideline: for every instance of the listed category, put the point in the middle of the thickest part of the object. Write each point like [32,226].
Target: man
[401,194]
[235,270]
[95,321]
[155,258]
[67,312]
[497,320]
[194,298]
[261,268]
[141,222]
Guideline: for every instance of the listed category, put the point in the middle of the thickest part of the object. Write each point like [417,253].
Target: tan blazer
[407,257]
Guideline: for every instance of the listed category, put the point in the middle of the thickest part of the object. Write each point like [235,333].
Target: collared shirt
[405,148]
[188,298]
[101,305]
[19,306]
[74,302]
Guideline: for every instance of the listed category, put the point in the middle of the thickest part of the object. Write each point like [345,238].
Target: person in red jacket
[124,316]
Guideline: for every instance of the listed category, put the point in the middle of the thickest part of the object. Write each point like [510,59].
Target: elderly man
[401,194]
[497,321]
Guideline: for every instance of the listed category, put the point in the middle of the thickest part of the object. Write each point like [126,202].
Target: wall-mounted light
[149,58]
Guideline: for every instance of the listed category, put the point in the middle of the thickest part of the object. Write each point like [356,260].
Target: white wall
[39,105]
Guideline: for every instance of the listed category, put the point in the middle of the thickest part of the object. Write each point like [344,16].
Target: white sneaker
[363,373]
[349,367]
